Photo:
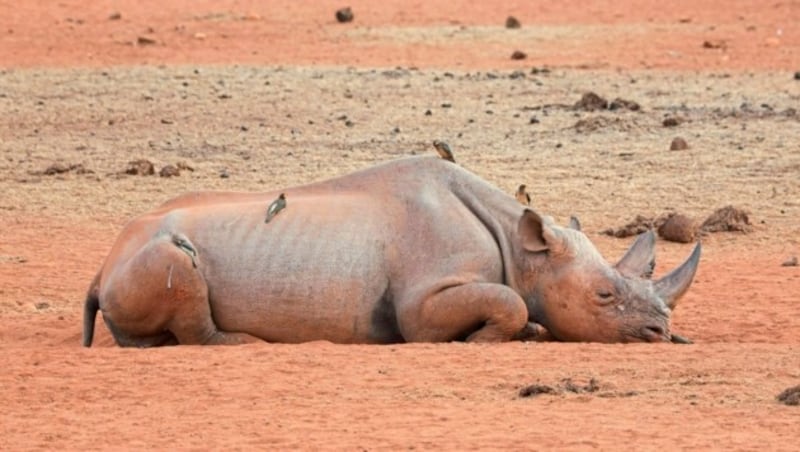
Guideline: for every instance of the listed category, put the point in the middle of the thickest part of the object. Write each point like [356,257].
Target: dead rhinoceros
[416,249]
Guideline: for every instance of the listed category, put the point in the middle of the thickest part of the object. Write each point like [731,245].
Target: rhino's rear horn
[672,286]
[574,223]
[640,259]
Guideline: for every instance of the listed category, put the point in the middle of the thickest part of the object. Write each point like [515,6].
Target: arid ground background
[272,94]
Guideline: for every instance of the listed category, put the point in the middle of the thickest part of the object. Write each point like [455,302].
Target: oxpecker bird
[276,206]
[444,150]
[522,196]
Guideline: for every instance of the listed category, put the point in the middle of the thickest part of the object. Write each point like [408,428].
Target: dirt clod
[183,166]
[140,167]
[519,55]
[678,228]
[512,22]
[671,121]
[344,15]
[535,390]
[678,144]
[727,219]
[790,396]
[169,171]
[116,15]
[590,102]
[791,262]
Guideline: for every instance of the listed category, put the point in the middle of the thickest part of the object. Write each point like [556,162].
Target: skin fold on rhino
[416,249]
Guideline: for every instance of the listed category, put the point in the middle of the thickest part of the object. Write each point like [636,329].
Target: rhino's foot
[533,332]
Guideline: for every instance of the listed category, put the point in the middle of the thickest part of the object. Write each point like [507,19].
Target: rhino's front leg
[481,312]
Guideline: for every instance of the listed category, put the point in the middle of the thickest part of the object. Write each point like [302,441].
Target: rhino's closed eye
[605,296]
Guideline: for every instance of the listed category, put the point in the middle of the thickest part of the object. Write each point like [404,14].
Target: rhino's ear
[531,231]
[640,259]
[574,223]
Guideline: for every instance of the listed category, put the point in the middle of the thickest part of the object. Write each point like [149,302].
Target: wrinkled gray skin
[416,249]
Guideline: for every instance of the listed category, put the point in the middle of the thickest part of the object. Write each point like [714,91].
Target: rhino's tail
[90,308]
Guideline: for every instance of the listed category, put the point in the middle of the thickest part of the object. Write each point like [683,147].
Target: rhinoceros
[415,249]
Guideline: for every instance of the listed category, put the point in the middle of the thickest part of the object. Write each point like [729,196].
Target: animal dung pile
[639,225]
[144,167]
[727,219]
[677,227]
[567,385]
[140,167]
[790,396]
[169,171]
[590,102]
[59,168]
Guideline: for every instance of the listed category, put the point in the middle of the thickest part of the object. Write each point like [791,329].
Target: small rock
[140,167]
[183,166]
[166,121]
[791,262]
[42,305]
[591,101]
[534,120]
[512,22]
[169,171]
[199,36]
[115,16]
[678,228]
[678,144]
[670,121]
[519,55]
[145,41]
[223,174]
[797,75]
[344,15]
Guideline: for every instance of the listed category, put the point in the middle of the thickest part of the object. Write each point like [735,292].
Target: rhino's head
[578,296]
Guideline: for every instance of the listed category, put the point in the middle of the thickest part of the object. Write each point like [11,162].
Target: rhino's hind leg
[161,298]
[479,312]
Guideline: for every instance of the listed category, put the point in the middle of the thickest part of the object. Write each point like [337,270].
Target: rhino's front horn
[640,259]
[672,286]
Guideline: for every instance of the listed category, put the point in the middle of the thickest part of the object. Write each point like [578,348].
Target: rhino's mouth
[655,333]
[648,333]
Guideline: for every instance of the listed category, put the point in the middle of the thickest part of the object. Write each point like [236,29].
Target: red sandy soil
[743,310]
